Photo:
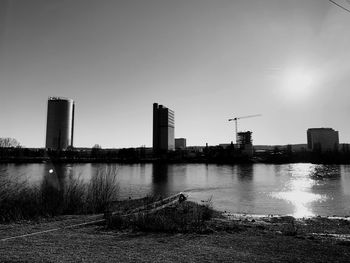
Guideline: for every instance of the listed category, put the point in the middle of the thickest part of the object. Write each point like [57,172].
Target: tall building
[322,140]
[163,129]
[60,123]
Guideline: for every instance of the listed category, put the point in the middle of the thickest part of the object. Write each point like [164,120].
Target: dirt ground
[245,239]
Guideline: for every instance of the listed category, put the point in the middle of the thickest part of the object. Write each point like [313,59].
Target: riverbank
[242,239]
[211,155]
[39,160]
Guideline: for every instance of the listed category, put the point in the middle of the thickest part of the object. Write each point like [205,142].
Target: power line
[342,7]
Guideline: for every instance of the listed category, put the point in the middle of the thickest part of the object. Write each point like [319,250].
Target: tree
[95,151]
[9,143]
[96,146]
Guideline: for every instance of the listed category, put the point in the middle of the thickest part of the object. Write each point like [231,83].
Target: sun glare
[297,84]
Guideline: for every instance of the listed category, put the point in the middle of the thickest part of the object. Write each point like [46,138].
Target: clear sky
[208,60]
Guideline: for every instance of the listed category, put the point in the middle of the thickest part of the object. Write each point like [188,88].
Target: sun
[297,84]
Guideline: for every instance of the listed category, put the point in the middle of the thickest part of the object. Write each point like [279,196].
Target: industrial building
[322,140]
[180,143]
[163,129]
[60,123]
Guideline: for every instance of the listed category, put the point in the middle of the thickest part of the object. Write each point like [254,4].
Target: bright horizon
[208,61]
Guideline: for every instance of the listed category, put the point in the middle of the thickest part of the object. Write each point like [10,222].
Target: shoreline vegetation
[57,196]
[209,155]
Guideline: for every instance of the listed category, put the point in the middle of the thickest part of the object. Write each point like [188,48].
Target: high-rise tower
[60,123]
[163,129]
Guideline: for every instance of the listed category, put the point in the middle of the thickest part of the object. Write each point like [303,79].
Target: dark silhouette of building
[244,142]
[180,143]
[60,123]
[163,129]
[322,140]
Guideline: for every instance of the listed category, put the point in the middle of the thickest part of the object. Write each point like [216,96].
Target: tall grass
[69,195]
[16,200]
[102,190]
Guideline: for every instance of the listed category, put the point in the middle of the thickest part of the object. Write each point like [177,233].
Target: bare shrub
[103,189]
[289,229]
[75,196]
[184,217]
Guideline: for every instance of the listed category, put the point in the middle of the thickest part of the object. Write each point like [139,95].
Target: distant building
[60,123]
[270,148]
[344,147]
[245,143]
[322,140]
[180,143]
[226,145]
[163,129]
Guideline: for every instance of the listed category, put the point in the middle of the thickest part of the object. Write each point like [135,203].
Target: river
[299,189]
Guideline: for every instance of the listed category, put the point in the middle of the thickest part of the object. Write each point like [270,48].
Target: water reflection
[52,189]
[245,172]
[321,172]
[299,190]
[247,194]
[160,179]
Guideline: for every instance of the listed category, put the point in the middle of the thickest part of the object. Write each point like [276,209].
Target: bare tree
[9,142]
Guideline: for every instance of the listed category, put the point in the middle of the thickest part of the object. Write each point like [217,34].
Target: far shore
[27,160]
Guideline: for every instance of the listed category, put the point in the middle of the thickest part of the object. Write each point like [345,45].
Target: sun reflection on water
[298,191]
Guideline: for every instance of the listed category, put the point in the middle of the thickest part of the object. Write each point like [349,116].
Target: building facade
[60,123]
[180,143]
[163,129]
[322,140]
[245,143]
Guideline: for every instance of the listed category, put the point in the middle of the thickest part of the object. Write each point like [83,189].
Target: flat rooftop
[60,99]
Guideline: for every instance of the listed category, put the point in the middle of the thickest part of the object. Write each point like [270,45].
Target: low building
[322,140]
[344,147]
[180,143]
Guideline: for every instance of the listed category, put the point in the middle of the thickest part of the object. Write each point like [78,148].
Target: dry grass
[185,217]
[102,190]
[70,196]
[90,244]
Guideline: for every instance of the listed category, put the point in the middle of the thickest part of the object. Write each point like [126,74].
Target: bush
[184,217]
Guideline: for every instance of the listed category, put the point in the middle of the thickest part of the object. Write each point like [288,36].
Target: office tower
[163,129]
[60,123]
[322,140]
[180,143]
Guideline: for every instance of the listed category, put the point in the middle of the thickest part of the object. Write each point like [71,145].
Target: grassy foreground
[244,239]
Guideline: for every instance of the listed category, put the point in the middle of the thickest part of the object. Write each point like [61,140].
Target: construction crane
[242,117]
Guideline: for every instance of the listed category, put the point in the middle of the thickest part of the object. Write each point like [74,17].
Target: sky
[207,60]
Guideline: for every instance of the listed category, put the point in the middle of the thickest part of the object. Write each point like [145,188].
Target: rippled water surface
[293,189]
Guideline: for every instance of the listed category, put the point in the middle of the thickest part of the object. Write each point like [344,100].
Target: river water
[288,189]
